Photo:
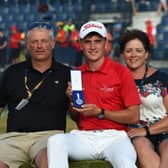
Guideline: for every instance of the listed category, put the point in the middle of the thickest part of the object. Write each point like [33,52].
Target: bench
[80,164]
[90,164]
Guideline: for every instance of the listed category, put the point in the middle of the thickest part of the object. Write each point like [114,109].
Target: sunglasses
[44,25]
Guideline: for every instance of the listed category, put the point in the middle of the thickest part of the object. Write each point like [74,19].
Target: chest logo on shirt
[106,89]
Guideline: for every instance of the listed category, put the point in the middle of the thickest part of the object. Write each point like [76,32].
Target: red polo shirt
[112,87]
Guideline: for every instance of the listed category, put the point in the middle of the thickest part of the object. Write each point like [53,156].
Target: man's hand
[88,110]
[69,91]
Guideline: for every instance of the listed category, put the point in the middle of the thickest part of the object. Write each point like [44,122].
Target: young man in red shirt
[111,103]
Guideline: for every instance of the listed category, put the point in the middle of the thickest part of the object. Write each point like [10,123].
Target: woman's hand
[135,132]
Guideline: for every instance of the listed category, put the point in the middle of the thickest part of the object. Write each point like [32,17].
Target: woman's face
[134,54]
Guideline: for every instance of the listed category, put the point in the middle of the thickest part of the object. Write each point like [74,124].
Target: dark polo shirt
[48,105]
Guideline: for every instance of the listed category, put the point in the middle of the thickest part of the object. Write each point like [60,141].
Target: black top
[48,105]
[152,91]
[159,75]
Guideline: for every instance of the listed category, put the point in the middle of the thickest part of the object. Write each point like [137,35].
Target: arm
[129,115]
[159,127]
[162,125]
[73,113]
[3,45]
[156,128]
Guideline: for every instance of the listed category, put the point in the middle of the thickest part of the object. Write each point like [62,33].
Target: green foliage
[90,164]
[3,121]
[70,124]
[27,165]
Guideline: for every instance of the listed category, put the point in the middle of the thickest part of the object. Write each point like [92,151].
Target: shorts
[157,139]
[17,148]
[154,139]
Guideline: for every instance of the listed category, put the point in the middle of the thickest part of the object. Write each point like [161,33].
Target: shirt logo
[106,89]
[56,82]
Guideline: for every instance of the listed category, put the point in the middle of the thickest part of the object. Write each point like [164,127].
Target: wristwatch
[147,131]
[101,114]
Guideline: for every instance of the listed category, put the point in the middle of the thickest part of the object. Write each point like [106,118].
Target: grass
[70,124]
[3,121]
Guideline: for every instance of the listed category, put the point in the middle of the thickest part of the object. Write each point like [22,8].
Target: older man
[34,91]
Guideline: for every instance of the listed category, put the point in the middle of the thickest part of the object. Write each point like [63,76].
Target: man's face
[40,44]
[93,47]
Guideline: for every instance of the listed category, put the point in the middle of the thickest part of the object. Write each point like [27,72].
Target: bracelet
[147,131]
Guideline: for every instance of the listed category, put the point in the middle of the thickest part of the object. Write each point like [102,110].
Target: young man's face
[93,47]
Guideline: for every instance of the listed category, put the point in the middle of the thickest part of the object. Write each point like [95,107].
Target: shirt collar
[53,66]
[102,68]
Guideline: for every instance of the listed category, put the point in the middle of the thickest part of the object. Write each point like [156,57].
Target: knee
[127,163]
[123,162]
[41,159]
[163,148]
[56,139]
[140,143]
[125,159]
[3,165]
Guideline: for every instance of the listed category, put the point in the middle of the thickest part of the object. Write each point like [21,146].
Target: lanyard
[145,75]
[37,86]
